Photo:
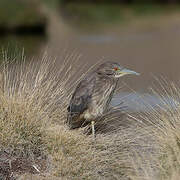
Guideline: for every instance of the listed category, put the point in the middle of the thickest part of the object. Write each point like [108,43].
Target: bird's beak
[127,71]
[123,72]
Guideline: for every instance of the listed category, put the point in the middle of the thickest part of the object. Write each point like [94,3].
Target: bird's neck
[107,78]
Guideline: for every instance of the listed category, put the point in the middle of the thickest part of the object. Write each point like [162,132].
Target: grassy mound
[36,144]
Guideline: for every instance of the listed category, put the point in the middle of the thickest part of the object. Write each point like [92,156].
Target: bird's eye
[116,68]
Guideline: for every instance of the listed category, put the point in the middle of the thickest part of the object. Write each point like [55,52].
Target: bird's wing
[81,97]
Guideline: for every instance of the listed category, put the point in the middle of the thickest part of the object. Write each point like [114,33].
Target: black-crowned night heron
[93,94]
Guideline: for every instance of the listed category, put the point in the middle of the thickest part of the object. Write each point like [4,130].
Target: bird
[93,94]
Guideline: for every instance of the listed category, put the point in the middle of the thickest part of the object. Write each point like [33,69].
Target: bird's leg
[93,129]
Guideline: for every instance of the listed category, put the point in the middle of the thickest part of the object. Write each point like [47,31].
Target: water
[136,102]
[149,46]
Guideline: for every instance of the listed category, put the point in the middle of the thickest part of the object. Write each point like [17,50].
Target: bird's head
[113,69]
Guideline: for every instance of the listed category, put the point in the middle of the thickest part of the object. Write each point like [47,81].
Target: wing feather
[80,99]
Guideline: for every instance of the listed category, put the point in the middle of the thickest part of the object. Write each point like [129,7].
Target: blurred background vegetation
[24,23]
[25,17]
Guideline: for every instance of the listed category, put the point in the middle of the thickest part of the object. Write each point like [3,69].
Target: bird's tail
[75,121]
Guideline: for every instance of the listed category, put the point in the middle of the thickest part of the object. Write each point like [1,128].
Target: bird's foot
[93,129]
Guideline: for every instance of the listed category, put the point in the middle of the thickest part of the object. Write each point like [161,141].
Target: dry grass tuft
[31,99]
[27,98]
[164,123]
[168,134]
